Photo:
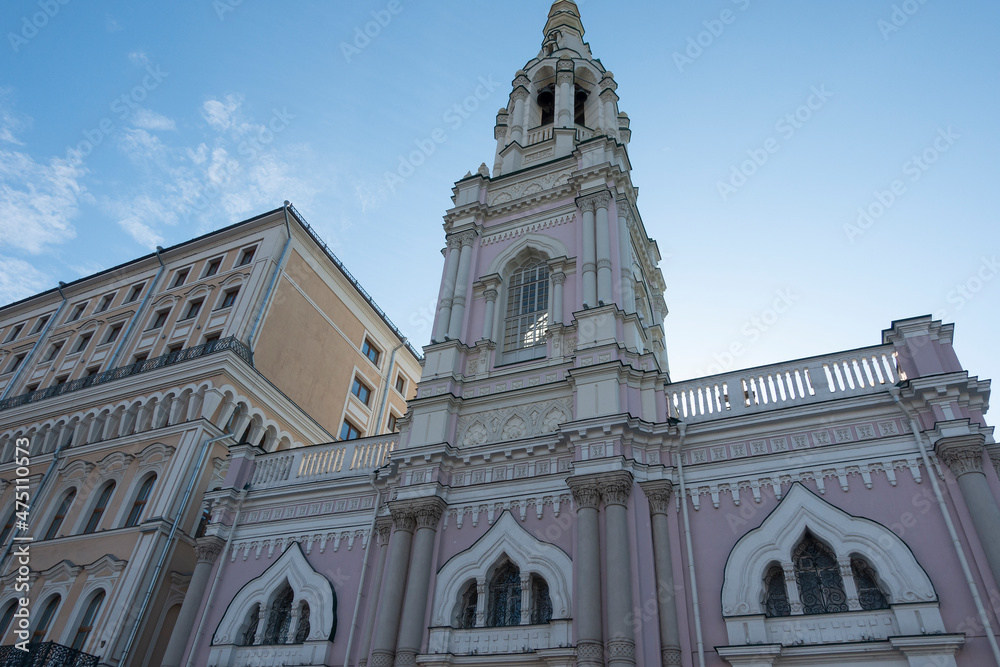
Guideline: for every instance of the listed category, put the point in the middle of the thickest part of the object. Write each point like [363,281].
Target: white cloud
[150,120]
[19,279]
[138,58]
[220,113]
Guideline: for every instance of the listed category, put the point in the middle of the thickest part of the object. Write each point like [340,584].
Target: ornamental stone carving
[596,200]
[453,241]
[558,278]
[382,527]
[428,514]
[519,94]
[961,457]
[381,659]
[615,490]
[406,658]
[658,494]
[589,650]
[621,648]
[490,295]
[670,656]
[403,519]
[207,549]
[514,429]
[586,493]
[466,238]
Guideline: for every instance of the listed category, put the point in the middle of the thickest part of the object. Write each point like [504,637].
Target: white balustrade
[329,461]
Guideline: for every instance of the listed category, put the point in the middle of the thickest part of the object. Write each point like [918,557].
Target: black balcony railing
[231,343]
[48,654]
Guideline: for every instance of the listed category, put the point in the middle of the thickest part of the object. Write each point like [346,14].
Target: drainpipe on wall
[385,386]
[178,517]
[966,570]
[37,346]
[138,311]
[218,575]
[274,279]
[682,428]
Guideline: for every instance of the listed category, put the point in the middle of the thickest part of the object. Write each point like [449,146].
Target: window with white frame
[527,313]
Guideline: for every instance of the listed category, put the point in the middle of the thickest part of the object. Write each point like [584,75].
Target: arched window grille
[302,631]
[505,597]
[541,603]
[279,618]
[821,588]
[249,633]
[527,306]
[870,596]
[469,606]
[776,593]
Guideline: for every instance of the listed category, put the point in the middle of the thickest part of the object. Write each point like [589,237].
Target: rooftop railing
[232,343]
[322,462]
[841,375]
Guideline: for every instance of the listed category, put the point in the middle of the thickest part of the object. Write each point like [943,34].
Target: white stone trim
[505,538]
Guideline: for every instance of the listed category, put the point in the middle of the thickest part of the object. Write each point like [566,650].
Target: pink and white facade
[553,499]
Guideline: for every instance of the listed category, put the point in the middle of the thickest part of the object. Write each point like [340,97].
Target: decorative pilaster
[558,280]
[525,598]
[461,286]
[383,526]
[207,550]
[586,205]
[482,600]
[658,494]
[565,98]
[615,490]
[519,96]
[448,288]
[427,515]
[963,454]
[603,242]
[627,288]
[850,587]
[491,304]
[792,588]
[589,629]
[391,599]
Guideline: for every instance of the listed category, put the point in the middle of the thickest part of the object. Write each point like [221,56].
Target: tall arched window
[579,102]
[249,631]
[57,520]
[547,103]
[279,617]
[102,504]
[87,622]
[505,597]
[541,603]
[139,504]
[45,620]
[821,588]
[302,631]
[527,306]
[469,606]
[8,616]
[870,596]
[775,593]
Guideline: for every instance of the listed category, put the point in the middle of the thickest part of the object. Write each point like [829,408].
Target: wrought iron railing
[232,343]
[48,654]
[354,281]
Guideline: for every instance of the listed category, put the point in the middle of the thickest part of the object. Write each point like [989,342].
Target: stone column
[625,252]
[381,542]
[589,253]
[587,566]
[658,493]
[391,598]
[603,243]
[615,490]
[517,131]
[461,286]
[525,598]
[565,99]
[608,99]
[207,549]
[964,456]
[491,305]
[411,634]
[448,288]
[558,280]
[850,587]
[482,600]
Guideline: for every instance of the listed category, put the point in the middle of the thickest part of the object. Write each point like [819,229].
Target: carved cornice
[586,493]
[658,494]
[615,489]
[207,549]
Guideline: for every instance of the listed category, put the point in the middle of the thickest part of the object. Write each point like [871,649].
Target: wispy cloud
[220,114]
[150,120]
[20,279]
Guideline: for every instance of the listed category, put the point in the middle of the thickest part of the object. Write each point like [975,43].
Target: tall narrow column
[380,541]
[587,571]
[461,285]
[491,305]
[448,288]
[964,456]
[207,549]
[603,243]
[517,131]
[658,493]
[565,99]
[625,251]
[589,253]
[411,634]
[558,280]
[391,598]
[615,490]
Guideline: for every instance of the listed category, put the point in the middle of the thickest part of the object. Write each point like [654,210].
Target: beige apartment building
[131,386]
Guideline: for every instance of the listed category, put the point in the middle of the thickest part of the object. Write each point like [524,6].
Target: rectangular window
[175,348]
[92,371]
[349,431]
[113,333]
[400,384]
[392,423]
[247,256]
[229,298]
[135,292]
[29,389]
[212,338]
[139,358]
[77,312]
[213,267]
[62,379]
[359,389]
[105,302]
[370,351]
[14,364]
[84,341]
[193,309]
[160,319]
[527,307]
[54,352]
[14,333]
[40,324]
[180,277]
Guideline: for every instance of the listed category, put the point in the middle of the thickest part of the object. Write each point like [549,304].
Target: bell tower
[549,277]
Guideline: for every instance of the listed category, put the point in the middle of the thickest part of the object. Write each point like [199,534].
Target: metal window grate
[527,307]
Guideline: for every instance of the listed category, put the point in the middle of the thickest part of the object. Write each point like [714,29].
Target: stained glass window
[775,593]
[870,595]
[821,588]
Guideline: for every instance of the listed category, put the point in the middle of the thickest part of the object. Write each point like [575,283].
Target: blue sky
[760,129]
